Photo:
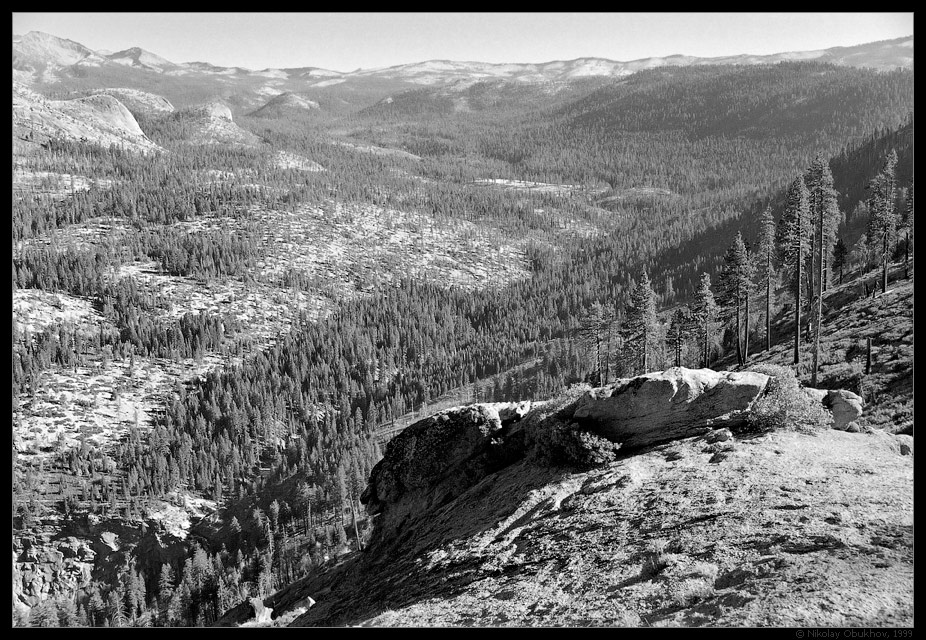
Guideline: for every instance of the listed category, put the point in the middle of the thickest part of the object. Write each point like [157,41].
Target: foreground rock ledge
[438,458]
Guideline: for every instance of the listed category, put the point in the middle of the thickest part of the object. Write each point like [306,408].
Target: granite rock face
[436,459]
[667,405]
[845,405]
[439,458]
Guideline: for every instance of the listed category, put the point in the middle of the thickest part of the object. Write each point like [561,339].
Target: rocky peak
[215,110]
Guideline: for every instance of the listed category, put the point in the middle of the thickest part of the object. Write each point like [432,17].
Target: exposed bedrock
[437,459]
[667,405]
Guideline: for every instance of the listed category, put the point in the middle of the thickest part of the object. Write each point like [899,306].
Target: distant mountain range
[43,57]
[48,70]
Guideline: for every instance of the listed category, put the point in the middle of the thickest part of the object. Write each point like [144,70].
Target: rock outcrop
[436,459]
[44,568]
[283,105]
[140,101]
[100,119]
[792,529]
[847,407]
[214,110]
[700,529]
[667,405]
[212,123]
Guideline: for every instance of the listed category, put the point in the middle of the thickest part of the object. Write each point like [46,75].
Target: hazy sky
[348,41]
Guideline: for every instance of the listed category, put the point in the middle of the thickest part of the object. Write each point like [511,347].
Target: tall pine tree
[793,236]
[824,212]
[735,286]
[840,257]
[678,333]
[704,313]
[881,215]
[824,215]
[640,328]
[766,274]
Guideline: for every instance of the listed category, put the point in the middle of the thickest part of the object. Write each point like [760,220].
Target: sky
[350,41]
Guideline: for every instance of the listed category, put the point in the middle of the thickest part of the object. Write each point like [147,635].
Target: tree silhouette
[793,240]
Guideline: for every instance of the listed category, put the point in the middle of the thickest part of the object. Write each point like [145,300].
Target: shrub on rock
[785,406]
[568,444]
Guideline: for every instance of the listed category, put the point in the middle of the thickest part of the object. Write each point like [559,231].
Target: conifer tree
[97,607]
[766,274]
[824,212]
[117,617]
[274,516]
[704,311]
[305,495]
[906,224]
[67,613]
[678,333]
[840,257]
[595,332]
[735,286]
[45,614]
[793,239]
[882,219]
[824,216]
[165,589]
[640,328]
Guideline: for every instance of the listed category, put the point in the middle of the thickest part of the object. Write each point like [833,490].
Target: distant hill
[48,60]
[884,55]
[99,119]
[212,124]
[283,105]
[140,101]
[137,57]
[751,101]
[40,52]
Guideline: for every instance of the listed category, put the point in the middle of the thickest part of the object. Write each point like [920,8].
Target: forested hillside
[229,328]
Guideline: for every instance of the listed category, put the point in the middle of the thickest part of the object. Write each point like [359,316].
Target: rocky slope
[58,558]
[38,56]
[285,105]
[212,124]
[481,522]
[140,101]
[100,119]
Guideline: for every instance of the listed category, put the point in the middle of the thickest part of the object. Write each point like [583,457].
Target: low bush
[691,592]
[567,444]
[657,558]
[785,406]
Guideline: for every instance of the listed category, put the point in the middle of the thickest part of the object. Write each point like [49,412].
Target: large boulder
[906,444]
[845,406]
[668,405]
[436,459]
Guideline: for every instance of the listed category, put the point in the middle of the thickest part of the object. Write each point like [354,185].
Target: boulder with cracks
[668,405]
